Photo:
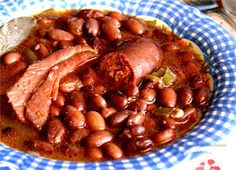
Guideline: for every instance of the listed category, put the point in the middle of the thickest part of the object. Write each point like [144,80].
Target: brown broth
[15,133]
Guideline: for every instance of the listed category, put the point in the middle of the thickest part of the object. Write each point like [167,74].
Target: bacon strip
[33,77]
[37,108]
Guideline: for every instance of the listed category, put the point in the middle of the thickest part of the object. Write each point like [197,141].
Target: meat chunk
[37,108]
[20,93]
[130,62]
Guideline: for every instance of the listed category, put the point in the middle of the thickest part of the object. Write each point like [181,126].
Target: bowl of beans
[111,84]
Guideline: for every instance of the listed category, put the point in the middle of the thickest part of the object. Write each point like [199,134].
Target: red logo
[211,163]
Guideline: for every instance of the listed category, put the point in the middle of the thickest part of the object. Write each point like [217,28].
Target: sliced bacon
[37,108]
[19,94]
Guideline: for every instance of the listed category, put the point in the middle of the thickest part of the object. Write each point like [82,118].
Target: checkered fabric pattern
[188,23]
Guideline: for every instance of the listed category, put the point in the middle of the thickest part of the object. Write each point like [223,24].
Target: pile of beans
[90,119]
[112,124]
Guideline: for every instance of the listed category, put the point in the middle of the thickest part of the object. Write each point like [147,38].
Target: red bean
[61,22]
[92,27]
[60,100]
[69,83]
[201,96]
[56,131]
[149,85]
[139,105]
[194,115]
[131,90]
[75,25]
[112,150]
[118,119]
[18,68]
[170,123]
[138,131]
[118,100]
[95,121]
[11,57]
[39,146]
[95,154]
[149,95]
[46,25]
[43,31]
[135,26]
[54,110]
[197,81]
[107,111]
[74,118]
[189,111]
[59,35]
[135,119]
[134,132]
[110,20]
[98,138]
[152,107]
[64,44]
[97,102]
[117,43]
[144,145]
[45,21]
[158,85]
[164,137]
[42,50]
[110,31]
[97,14]
[186,57]
[173,47]
[167,97]
[100,90]
[184,96]
[81,40]
[89,77]
[117,15]
[78,135]
[126,135]
[192,68]
[176,113]
[78,100]
[90,13]
[148,33]
[100,44]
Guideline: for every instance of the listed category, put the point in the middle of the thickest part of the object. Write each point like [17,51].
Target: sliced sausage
[130,62]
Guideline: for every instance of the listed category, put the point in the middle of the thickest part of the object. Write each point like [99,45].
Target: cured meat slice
[19,94]
[130,62]
[37,108]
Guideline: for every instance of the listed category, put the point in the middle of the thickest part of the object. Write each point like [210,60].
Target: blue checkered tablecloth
[188,23]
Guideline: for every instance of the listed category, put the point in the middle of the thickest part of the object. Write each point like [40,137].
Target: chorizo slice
[130,62]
